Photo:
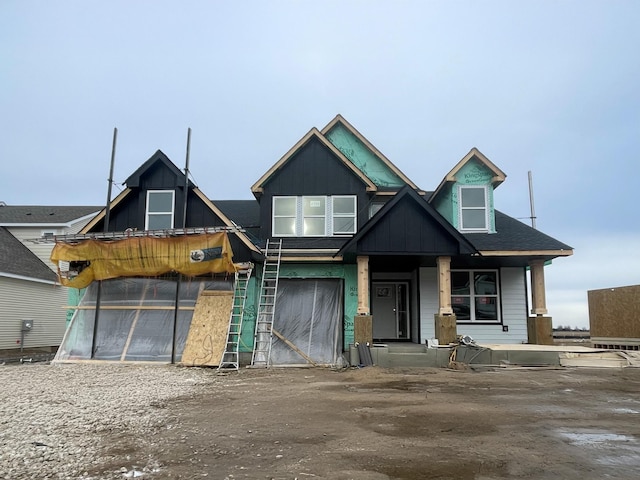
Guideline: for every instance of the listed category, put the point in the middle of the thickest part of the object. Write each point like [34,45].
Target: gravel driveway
[54,418]
[112,422]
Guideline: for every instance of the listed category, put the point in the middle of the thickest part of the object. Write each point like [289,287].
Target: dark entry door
[389,307]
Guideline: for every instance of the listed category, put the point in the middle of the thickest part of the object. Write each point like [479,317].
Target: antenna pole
[533,210]
[184,225]
[105,229]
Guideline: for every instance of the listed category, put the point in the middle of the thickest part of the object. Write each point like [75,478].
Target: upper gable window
[314,216]
[344,215]
[160,209]
[473,205]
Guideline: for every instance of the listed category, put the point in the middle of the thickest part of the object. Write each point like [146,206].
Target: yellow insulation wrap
[143,256]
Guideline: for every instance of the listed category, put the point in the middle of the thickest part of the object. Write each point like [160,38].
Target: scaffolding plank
[207,334]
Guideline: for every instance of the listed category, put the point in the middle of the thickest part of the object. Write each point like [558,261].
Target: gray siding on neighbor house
[513,309]
[48,314]
[43,250]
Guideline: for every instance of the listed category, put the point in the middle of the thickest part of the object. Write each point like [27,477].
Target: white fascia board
[28,279]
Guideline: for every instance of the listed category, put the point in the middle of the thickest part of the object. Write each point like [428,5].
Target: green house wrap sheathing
[363,158]
[472,173]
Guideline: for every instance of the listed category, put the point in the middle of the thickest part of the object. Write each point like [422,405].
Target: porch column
[538,297]
[445,320]
[539,326]
[363,285]
[363,322]
[444,286]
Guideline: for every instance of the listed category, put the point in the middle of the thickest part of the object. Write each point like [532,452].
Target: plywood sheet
[614,312]
[208,333]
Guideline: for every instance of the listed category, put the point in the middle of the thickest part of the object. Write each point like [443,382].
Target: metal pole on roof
[105,229]
[533,211]
[184,225]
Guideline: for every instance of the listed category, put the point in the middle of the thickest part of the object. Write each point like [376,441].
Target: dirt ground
[374,423]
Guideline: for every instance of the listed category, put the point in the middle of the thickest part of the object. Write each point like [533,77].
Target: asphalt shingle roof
[17,259]
[39,214]
[245,213]
[513,235]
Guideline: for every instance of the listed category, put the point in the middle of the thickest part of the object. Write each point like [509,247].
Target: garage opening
[308,316]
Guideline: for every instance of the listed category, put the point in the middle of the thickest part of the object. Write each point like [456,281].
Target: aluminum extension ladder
[230,357]
[267,304]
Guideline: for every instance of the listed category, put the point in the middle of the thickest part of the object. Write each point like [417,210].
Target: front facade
[361,242]
[413,260]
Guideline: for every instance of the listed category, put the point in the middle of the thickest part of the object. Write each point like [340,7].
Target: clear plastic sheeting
[308,314]
[136,319]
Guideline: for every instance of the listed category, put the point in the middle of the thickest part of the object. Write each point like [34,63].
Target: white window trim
[485,208]
[147,214]
[328,216]
[472,296]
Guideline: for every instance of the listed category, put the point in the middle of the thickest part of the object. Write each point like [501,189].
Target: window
[160,209]
[344,215]
[374,207]
[284,216]
[314,216]
[473,208]
[314,211]
[474,295]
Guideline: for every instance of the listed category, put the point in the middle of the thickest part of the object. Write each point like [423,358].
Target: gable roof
[257,187]
[513,238]
[428,215]
[339,119]
[498,175]
[134,179]
[16,260]
[34,215]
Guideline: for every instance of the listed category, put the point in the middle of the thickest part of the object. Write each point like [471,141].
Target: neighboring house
[360,240]
[28,286]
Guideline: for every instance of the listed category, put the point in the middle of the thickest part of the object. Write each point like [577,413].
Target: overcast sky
[547,86]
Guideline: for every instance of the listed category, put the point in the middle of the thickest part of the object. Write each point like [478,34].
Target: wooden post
[363,285]
[538,297]
[363,329]
[444,286]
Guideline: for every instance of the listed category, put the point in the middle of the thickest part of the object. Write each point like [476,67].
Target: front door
[389,307]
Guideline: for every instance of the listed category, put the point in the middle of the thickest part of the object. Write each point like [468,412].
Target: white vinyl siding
[40,249]
[513,308]
[428,302]
[22,299]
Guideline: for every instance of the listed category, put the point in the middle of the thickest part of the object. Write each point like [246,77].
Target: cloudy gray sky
[546,86]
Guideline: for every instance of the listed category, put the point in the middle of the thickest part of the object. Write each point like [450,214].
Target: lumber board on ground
[293,347]
[208,332]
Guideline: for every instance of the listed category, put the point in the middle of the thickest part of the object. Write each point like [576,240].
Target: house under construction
[337,245]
